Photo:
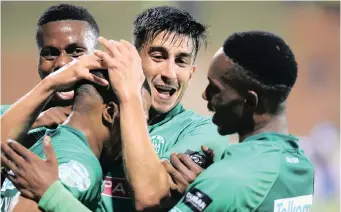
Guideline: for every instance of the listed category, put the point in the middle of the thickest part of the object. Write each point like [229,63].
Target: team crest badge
[158,143]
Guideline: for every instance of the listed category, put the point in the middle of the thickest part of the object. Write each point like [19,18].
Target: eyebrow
[165,51]
[71,45]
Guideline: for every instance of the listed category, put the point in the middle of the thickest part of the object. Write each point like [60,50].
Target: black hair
[264,60]
[156,20]
[63,12]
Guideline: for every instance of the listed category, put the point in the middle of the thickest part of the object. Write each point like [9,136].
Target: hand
[79,69]
[52,117]
[183,170]
[124,67]
[32,175]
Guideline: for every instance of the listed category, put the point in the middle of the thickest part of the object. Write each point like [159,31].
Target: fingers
[190,164]
[66,110]
[9,165]
[179,166]
[111,45]
[92,62]
[105,57]
[175,175]
[57,115]
[208,151]
[97,80]
[22,153]
[49,152]
[8,150]
[129,46]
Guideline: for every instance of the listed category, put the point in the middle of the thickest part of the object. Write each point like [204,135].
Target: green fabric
[79,170]
[179,131]
[58,199]
[259,174]
[3,109]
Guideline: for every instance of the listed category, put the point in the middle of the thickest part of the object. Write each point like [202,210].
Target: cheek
[45,66]
[150,68]
[183,76]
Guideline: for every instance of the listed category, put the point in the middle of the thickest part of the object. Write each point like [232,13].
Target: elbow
[151,197]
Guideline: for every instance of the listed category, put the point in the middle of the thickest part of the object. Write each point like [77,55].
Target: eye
[77,52]
[157,56]
[49,54]
[182,62]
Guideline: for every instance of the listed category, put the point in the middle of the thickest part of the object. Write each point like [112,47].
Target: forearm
[16,122]
[145,172]
[58,199]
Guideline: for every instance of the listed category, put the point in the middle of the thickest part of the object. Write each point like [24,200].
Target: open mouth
[165,91]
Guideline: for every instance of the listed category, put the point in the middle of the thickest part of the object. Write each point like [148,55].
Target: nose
[169,71]
[62,60]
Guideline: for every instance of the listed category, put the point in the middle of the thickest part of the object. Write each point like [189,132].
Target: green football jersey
[266,172]
[79,169]
[4,108]
[180,131]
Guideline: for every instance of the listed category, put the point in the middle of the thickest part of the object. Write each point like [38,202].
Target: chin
[163,107]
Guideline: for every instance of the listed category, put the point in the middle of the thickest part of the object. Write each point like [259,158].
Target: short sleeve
[79,170]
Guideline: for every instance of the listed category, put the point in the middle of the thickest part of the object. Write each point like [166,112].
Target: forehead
[220,66]
[59,33]
[173,42]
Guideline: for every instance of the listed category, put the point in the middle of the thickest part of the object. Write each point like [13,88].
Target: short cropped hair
[156,20]
[63,12]
[264,60]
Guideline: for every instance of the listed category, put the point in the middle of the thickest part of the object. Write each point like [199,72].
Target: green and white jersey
[79,169]
[180,131]
[266,172]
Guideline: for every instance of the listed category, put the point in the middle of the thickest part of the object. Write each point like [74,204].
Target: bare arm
[145,173]
[16,122]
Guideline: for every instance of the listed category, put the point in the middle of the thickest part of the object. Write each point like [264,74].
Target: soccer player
[168,40]
[89,137]
[250,79]
[64,32]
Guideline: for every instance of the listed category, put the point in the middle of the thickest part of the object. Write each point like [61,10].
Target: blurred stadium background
[312,29]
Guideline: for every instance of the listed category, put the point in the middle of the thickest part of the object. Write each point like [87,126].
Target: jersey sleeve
[4,108]
[58,198]
[79,171]
[196,135]
[232,184]
[214,194]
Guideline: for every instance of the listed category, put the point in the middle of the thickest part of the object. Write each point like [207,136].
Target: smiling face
[168,66]
[63,41]
[222,96]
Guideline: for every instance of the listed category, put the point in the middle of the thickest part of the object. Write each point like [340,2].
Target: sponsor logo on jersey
[199,159]
[158,142]
[74,174]
[295,204]
[196,200]
[116,187]
[292,159]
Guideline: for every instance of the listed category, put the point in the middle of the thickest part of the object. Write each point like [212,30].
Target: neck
[86,124]
[267,123]
[155,116]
